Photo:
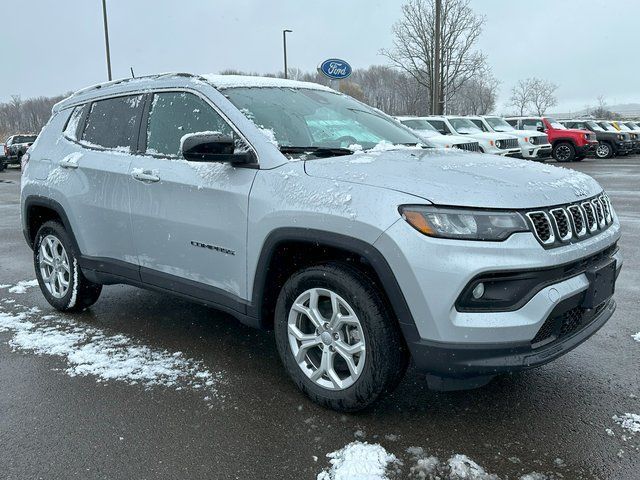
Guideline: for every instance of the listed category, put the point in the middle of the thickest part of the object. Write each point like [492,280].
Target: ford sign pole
[284,44]
[106,37]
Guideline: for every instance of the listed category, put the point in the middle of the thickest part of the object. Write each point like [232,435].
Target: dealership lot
[229,410]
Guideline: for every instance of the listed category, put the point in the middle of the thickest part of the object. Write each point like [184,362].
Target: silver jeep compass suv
[294,207]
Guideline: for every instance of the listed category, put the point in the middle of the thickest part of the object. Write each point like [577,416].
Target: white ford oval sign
[335,68]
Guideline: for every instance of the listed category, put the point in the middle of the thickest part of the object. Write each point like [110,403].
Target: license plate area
[602,281]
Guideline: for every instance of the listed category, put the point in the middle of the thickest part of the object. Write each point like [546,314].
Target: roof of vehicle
[125,85]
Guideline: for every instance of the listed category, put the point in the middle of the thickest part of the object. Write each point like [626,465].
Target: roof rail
[129,79]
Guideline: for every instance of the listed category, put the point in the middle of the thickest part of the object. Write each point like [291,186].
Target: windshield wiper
[317,151]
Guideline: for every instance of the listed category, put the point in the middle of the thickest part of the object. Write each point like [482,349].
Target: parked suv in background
[633,130]
[424,130]
[295,207]
[534,145]
[16,146]
[3,158]
[625,137]
[568,144]
[495,143]
[609,143]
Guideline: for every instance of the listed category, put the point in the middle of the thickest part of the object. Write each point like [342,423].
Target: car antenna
[133,75]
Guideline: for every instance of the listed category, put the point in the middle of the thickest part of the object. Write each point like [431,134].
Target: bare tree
[602,111]
[543,95]
[521,96]
[414,46]
[476,97]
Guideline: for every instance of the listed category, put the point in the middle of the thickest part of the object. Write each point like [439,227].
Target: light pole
[284,44]
[106,37]
[437,105]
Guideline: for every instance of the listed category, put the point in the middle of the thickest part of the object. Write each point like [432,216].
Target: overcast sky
[588,47]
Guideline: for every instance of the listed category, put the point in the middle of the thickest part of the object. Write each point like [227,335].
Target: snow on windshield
[499,124]
[464,126]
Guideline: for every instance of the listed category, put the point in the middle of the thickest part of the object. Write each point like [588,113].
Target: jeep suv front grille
[540,140]
[471,146]
[508,143]
[568,223]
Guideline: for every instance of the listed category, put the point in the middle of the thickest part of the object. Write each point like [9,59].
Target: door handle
[68,163]
[145,176]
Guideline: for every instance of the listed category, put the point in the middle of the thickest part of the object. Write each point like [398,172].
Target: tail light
[24,160]
[6,150]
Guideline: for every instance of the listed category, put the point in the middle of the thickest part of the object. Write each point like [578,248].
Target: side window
[531,124]
[71,130]
[479,124]
[175,114]
[440,126]
[513,123]
[112,123]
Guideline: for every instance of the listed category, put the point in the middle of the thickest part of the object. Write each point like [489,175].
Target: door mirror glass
[212,147]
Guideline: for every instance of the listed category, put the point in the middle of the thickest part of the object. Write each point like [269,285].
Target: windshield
[623,127]
[555,124]
[608,127]
[632,125]
[418,124]
[499,124]
[464,126]
[24,139]
[299,118]
[594,126]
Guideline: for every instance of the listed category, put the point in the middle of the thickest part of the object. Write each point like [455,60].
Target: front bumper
[446,342]
[586,149]
[623,148]
[537,152]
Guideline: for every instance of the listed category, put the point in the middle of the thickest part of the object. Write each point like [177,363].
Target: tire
[604,150]
[564,152]
[384,359]
[60,260]
[2,166]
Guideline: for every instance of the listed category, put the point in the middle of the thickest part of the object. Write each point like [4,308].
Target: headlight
[531,140]
[499,143]
[586,136]
[464,224]
[620,137]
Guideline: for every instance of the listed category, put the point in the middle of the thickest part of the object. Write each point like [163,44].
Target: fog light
[478,291]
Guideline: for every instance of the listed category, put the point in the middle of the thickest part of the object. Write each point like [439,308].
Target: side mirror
[213,147]
[540,128]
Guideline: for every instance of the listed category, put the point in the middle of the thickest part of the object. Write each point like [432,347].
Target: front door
[189,219]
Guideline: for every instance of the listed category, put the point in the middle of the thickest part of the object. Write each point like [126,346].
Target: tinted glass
[175,114]
[499,124]
[303,117]
[464,126]
[112,123]
[440,126]
[24,139]
[479,124]
[419,124]
[531,124]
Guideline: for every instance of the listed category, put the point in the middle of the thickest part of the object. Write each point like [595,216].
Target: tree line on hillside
[25,116]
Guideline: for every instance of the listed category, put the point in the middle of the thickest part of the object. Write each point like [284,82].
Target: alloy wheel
[54,266]
[563,152]
[326,339]
[603,150]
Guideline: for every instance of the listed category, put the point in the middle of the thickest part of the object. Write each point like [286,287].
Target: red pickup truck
[569,144]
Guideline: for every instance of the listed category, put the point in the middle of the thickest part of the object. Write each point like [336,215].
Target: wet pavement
[555,420]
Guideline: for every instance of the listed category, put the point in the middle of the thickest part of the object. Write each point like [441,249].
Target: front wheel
[59,276]
[564,152]
[604,150]
[337,338]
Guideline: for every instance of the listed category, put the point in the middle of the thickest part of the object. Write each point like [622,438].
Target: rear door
[107,133]
[189,218]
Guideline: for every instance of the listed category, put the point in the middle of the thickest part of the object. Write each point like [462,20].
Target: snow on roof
[230,81]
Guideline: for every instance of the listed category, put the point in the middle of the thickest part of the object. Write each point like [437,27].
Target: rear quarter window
[113,123]
[71,128]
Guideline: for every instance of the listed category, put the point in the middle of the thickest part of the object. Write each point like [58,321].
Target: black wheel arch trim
[321,238]
[45,202]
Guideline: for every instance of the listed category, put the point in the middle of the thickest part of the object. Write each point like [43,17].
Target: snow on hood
[450,177]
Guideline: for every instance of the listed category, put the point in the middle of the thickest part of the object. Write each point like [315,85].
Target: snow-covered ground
[364,461]
[106,356]
[21,286]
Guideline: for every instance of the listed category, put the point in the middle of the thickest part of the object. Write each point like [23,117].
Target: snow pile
[628,421]
[363,461]
[358,461]
[89,351]
[23,285]
[636,337]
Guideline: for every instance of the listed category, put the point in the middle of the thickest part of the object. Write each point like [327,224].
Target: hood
[443,140]
[452,177]
[525,133]
[489,136]
[575,131]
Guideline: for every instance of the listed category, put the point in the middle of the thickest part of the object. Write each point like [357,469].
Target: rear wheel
[337,338]
[604,150]
[57,270]
[564,152]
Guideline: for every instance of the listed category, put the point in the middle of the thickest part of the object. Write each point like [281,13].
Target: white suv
[431,136]
[534,145]
[291,206]
[496,143]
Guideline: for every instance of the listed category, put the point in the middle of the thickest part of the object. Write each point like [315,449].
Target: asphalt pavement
[254,424]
